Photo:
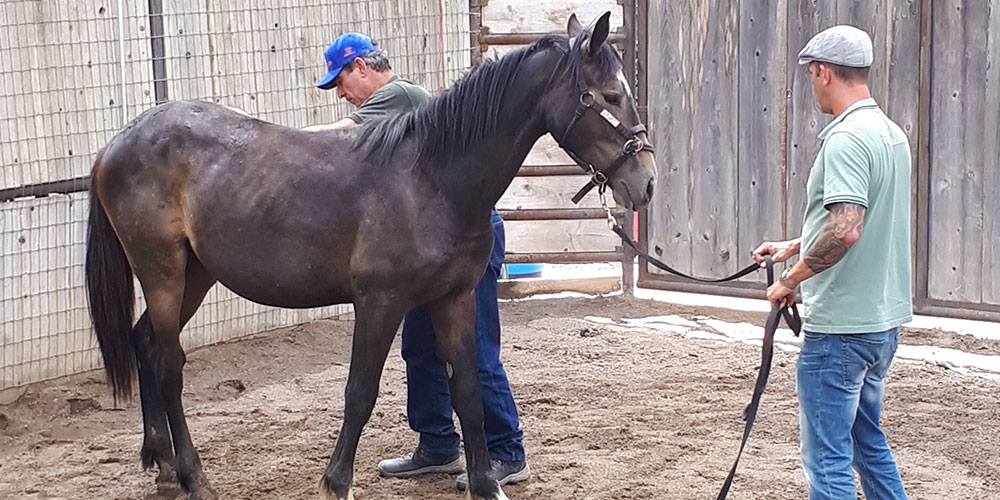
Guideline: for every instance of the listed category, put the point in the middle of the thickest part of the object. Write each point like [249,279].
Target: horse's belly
[282,277]
[288,296]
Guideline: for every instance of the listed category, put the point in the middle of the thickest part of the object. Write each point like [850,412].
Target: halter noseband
[633,144]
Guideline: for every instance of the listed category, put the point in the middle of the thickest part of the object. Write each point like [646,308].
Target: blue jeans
[841,383]
[428,403]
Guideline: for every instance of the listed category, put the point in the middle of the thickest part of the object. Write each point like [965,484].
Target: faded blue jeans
[841,383]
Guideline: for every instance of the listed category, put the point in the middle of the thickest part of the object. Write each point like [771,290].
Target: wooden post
[158,53]
[629,56]
[641,24]
[922,196]
[475,26]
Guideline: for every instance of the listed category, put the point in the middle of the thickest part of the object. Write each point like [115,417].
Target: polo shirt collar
[864,103]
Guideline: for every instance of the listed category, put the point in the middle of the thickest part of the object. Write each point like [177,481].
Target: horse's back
[280,216]
[260,205]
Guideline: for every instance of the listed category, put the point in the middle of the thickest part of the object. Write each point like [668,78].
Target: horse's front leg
[374,329]
[454,320]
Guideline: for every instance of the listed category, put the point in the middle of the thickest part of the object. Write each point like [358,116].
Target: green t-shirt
[396,96]
[864,159]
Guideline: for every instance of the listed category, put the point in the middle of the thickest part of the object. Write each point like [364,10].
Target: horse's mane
[468,112]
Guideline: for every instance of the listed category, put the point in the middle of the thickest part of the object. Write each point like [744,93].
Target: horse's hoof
[326,494]
[165,474]
[202,491]
[499,495]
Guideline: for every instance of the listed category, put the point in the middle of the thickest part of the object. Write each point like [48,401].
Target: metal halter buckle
[633,146]
[600,179]
[587,99]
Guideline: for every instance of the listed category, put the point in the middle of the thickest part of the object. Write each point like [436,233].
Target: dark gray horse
[388,217]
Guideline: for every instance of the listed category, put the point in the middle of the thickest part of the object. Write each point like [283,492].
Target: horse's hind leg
[374,328]
[169,294]
[454,327]
[157,446]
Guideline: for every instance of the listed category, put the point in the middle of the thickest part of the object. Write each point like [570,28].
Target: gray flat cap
[843,45]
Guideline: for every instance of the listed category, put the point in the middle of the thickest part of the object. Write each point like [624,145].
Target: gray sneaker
[420,462]
[505,472]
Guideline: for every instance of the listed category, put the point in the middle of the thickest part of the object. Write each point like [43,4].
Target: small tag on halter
[610,118]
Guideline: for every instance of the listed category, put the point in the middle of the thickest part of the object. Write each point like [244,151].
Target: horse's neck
[480,177]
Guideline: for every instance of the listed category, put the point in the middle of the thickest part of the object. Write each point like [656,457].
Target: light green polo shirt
[864,159]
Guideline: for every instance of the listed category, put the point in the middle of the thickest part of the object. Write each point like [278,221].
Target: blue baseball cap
[342,51]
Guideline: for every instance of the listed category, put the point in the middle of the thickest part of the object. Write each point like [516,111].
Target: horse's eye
[612,98]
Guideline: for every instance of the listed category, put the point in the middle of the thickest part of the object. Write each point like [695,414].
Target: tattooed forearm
[846,223]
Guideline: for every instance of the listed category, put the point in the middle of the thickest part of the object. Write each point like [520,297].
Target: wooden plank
[629,58]
[991,162]
[140,92]
[715,149]
[521,288]
[560,236]
[273,61]
[100,119]
[921,197]
[35,131]
[696,88]
[8,129]
[234,73]
[548,192]
[520,16]
[668,212]
[188,50]
[957,117]
[762,118]
[871,17]
[805,121]
[902,102]
[547,152]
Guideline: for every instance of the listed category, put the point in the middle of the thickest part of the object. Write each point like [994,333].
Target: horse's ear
[599,34]
[573,27]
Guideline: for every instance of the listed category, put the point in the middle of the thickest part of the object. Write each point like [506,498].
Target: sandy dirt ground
[608,412]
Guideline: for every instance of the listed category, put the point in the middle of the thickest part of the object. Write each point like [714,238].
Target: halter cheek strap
[633,144]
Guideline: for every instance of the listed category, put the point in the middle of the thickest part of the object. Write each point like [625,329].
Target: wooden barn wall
[735,123]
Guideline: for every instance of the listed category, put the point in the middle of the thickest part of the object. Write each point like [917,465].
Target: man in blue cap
[854,273]
[362,75]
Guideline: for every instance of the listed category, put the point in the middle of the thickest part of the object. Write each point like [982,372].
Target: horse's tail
[110,291]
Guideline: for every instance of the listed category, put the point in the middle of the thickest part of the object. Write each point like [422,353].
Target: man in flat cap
[854,272]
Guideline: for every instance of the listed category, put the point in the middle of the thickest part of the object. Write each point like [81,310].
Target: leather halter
[633,144]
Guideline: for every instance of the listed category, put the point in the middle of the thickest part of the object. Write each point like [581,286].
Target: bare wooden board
[959,32]
[548,192]
[521,288]
[805,121]
[991,164]
[560,236]
[529,16]
[693,116]
[762,119]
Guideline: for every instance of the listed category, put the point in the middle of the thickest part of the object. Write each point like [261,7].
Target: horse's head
[590,110]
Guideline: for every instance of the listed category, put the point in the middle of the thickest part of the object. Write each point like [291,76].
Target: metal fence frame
[74,74]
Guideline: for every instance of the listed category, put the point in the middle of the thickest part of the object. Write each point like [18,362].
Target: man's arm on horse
[341,123]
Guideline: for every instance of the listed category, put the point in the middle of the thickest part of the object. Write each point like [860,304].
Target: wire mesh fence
[74,73]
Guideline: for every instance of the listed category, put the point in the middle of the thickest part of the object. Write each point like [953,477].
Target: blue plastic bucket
[523,270]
